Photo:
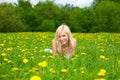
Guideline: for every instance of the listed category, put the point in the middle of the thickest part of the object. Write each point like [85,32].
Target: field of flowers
[22,57]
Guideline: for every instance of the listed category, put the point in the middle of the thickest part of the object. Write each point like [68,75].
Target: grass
[22,57]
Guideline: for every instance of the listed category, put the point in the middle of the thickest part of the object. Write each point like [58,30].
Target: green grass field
[22,57]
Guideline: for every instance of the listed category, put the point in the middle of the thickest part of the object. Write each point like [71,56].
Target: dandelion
[102,72]
[6,59]
[74,70]
[15,69]
[72,59]
[23,50]
[82,70]
[25,60]
[100,79]
[43,56]
[43,64]
[64,70]
[76,55]
[52,70]
[19,55]
[33,69]
[3,54]
[1,45]
[35,78]
[103,57]
[9,49]
[51,57]
[83,53]
[9,61]
[32,57]
[102,50]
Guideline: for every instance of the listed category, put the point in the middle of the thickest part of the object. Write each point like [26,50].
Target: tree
[107,17]
[47,25]
[47,11]
[9,20]
[25,5]
[76,17]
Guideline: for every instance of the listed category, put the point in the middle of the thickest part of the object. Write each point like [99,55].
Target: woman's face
[63,38]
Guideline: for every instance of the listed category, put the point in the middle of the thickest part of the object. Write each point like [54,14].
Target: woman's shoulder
[74,40]
[54,40]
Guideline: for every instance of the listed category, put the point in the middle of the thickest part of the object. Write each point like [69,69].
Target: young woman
[63,43]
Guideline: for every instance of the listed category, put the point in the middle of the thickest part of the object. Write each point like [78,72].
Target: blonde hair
[66,29]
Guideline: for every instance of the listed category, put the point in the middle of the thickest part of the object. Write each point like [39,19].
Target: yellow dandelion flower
[23,50]
[101,79]
[102,72]
[34,68]
[102,50]
[83,53]
[43,56]
[35,78]
[52,70]
[3,54]
[76,55]
[6,59]
[25,60]
[74,70]
[106,59]
[30,71]
[9,49]
[32,57]
[82,72]
[19,55]
[72,59]
[9,61]
[51,57]
[119,61]
[15,69]
[1,45]
[64,70]
[102,57]
[43,64]
[81,69]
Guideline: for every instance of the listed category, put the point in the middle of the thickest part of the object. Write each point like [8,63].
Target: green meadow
[22,57]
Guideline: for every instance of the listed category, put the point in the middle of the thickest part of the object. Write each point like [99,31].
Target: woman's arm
[54,47]
[74,48]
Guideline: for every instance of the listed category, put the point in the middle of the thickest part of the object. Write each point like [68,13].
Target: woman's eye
[63,35]
[59,36]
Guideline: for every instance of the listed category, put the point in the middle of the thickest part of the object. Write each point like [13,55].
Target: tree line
[101,16]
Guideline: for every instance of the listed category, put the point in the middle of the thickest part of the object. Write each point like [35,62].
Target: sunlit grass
[22,57]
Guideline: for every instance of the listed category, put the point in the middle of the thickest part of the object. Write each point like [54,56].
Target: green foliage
[9,20]
[47,25]
[25,4]
[107,17]
[102,16]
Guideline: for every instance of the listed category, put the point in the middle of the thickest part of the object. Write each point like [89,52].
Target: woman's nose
[61,38]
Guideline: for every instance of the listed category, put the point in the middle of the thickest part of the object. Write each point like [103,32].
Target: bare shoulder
[53,41]
[74,40]
[54,46]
